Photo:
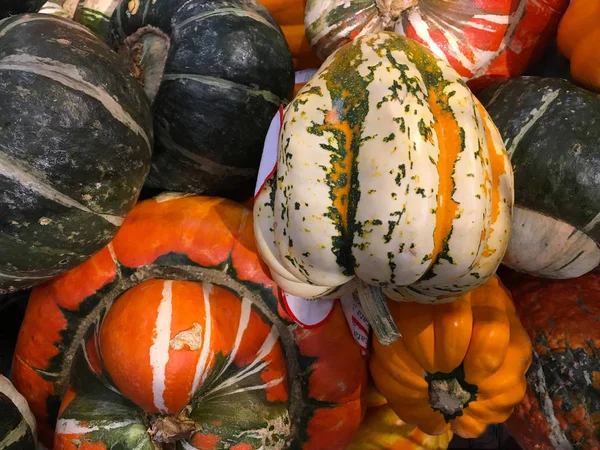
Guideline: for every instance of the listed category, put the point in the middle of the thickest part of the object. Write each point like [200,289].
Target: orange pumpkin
[289,14]
[383,430]
[458,365]
[579,38]
[174,333]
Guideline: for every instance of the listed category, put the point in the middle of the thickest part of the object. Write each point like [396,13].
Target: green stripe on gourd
[17,424]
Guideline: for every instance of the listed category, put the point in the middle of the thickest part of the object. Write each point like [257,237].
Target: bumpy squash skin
[75,147]
[561,408]
[476,340]
[377,152]
[484,41]
[17,424]
[578,38]
[12,7]
[228,70]
[201,239]
[551,129]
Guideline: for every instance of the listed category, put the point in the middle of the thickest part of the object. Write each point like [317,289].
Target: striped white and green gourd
[390,171]
[552,132]
[17,424]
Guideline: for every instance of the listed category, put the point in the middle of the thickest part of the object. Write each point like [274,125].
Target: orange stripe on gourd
[447,131]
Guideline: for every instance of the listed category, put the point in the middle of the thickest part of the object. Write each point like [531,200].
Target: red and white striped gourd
[390,171]
[484,40]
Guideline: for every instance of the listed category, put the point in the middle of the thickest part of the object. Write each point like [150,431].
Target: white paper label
[268,161]
[357,321]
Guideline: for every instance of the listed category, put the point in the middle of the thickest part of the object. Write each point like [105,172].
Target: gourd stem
[146,53]
[390,10]
[375,306]
[448,396]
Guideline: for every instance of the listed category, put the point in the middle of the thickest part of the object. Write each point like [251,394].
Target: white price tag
[355,316]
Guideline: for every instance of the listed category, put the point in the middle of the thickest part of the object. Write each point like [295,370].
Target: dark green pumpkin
[12,7]
[551,129]
[17,424]
[217,71]
[75,147]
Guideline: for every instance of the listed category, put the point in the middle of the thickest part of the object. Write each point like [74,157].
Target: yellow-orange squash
[458,365]
[289,14]
[383,430]
[578,39]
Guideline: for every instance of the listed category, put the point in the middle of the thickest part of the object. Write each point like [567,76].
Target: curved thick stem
[375,306]
[390,10]
[146,53]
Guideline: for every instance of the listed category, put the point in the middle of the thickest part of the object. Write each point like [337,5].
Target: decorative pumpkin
[381,429]
[75,147]
[481,40]
[551,129]
[578,39]
[561,409]
[458,366]
[17,424]
[12,7]
[217,72]
[191,337]
[391,172]
[289,14]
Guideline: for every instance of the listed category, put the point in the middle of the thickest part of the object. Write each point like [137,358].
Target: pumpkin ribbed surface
[561,409]
[75,147]
[390,171]
[218,71]
[381,429]
[458,366]
[17,424]
[181,334]
[551,129]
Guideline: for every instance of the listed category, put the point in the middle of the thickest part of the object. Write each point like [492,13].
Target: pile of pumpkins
[440,163]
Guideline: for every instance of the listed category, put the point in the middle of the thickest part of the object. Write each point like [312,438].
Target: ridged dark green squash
[17,424]
[75,147]
[12,7]
[217,71]
[551,129]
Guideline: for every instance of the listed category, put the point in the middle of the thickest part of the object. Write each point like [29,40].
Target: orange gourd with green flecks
[183,340]
[458,366]
[560,408]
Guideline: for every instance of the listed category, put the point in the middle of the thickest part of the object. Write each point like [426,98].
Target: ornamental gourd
[458,366]
[381,429]
[175,328]
[390,172]
[482,40]
[75,147]
[561,408]
[217,72]
[578,39]
[551,129]
[17,424]
[289,14]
